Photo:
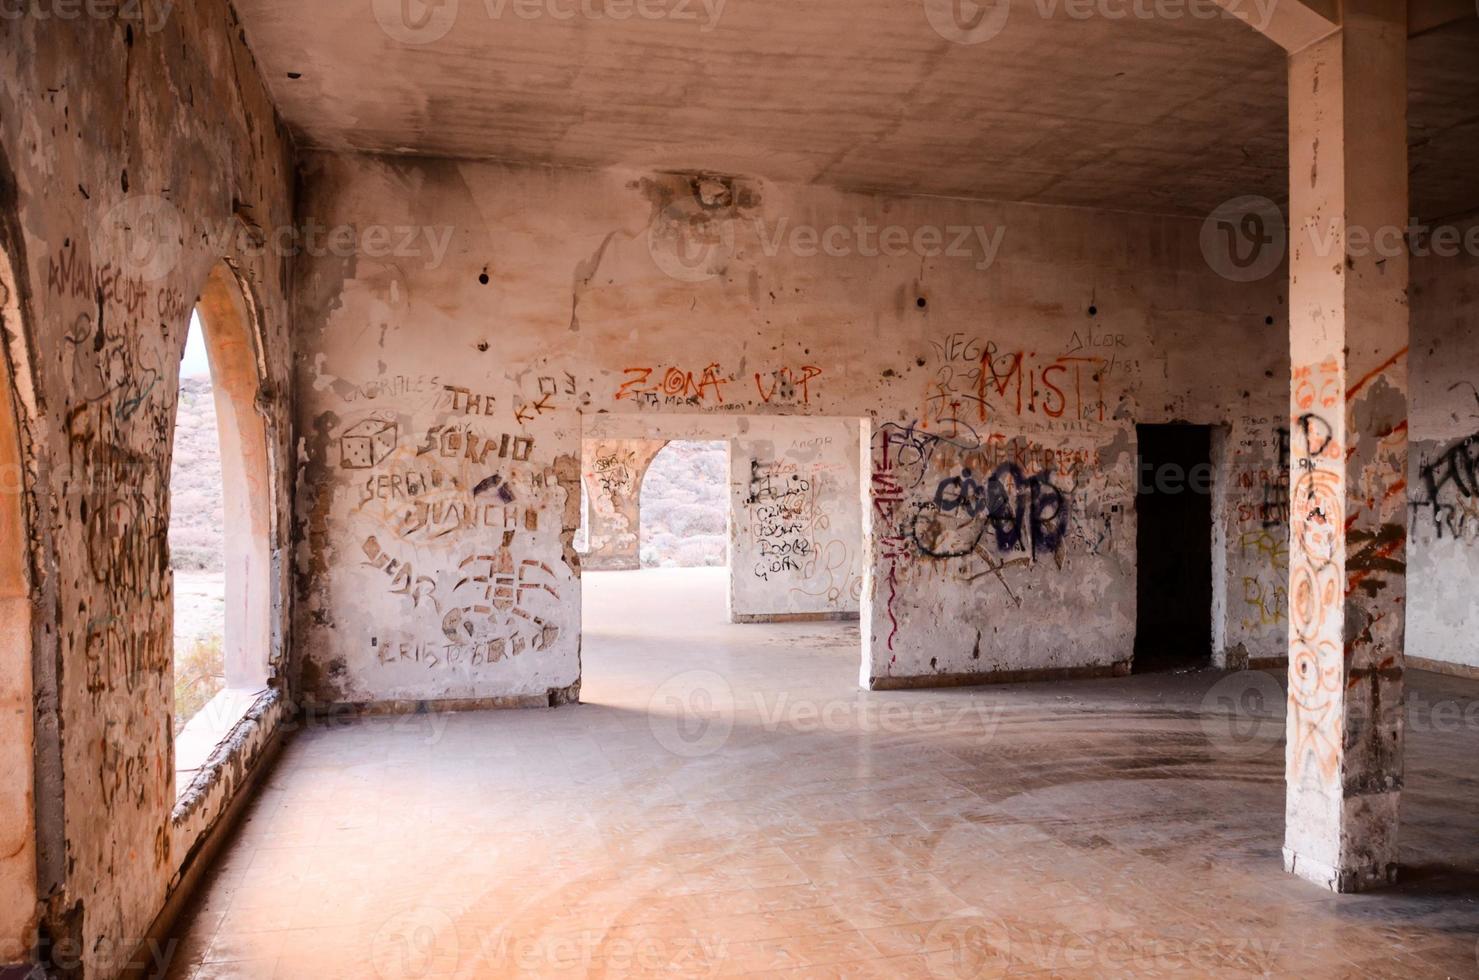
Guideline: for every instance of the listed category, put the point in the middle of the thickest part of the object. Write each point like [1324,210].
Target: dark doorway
[1173,504]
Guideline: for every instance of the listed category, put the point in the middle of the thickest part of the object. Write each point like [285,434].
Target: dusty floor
[726,801]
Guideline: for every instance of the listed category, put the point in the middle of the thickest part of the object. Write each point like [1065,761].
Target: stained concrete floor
[726,802]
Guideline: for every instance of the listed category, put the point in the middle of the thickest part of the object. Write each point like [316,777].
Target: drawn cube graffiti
[366,444]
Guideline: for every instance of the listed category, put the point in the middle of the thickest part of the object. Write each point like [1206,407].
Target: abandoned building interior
[1091,395]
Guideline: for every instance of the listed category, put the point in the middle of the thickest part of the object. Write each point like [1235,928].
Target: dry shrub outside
[200,674]
[685,507]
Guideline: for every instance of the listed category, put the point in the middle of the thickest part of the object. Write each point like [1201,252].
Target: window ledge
[212,726]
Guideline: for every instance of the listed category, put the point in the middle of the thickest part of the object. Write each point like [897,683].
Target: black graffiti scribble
[1023,513]
[1456,468]
[909,447]
[1274,512]
[505,492]
[1316,434]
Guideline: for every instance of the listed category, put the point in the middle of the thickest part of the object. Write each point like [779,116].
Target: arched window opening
[685,506]
[220,525]
[197,536]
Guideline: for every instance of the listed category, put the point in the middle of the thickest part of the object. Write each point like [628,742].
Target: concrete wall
[613,471]
[1443,462]
[796,520]
[985,542]
[973,336]
[138,150]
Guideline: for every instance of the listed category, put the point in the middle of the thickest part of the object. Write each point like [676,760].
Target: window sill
[211,726]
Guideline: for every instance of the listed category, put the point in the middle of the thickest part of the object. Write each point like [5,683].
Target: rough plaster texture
[1443,465]
[796,520]
[613,471]
[1349,334]
[563,295]
[138,151]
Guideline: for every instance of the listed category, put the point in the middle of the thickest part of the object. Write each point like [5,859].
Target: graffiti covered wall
[462,537]
[119,211]
[1007,516]
[1001,354]
[796,530]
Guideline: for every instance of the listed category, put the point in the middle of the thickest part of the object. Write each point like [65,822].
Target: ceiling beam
[1429,15]
[1291,24]
[1296,24]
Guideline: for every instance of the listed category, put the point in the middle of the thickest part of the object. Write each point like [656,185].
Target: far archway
[611,487]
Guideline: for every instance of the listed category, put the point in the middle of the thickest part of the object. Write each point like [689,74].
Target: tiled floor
[726,802]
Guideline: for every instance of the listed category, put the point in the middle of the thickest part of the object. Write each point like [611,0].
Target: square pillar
[1348,499]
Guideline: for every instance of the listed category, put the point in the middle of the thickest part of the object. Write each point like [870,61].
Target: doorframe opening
[1211,485]
[692,427]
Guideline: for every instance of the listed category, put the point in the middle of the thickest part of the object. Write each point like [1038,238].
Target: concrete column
[613,473]
[1348,500]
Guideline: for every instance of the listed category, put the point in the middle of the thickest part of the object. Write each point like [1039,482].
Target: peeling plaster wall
[1443,463]
[796,529]
[138,151]
[613,473]
[965,333]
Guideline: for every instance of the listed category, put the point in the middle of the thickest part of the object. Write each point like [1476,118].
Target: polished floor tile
[726,802]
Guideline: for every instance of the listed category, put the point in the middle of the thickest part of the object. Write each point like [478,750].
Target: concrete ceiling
[1163,115]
